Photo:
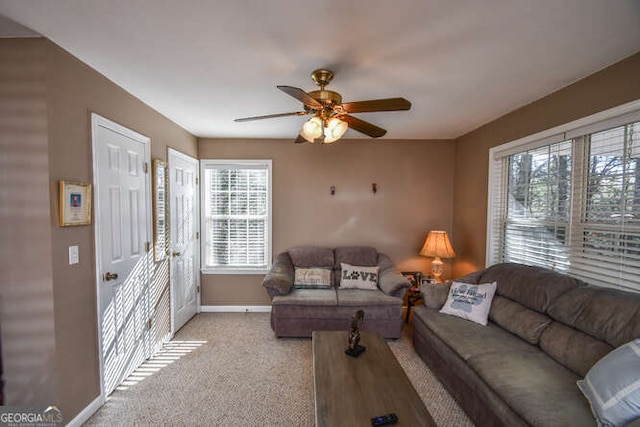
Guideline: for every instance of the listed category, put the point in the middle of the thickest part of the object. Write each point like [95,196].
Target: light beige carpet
[228,369]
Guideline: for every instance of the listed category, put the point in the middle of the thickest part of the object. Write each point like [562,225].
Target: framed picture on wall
[75,203]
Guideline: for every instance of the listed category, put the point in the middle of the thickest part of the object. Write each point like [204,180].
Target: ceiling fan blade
[272,116]
[389,104]
[363,127]
[301,96]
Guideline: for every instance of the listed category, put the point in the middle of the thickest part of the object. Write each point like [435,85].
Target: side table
[414,296]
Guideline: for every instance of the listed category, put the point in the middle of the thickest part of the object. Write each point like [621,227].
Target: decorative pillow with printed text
[312,278]
[470,302]
[357,277]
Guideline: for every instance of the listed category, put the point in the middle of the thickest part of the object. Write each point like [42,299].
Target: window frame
[578,132]
[208,164]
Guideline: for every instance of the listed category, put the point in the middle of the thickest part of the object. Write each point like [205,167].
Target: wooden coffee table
[350,391]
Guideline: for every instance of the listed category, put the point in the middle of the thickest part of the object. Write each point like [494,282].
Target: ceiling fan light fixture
[312,129]
[331,117]
[335,129]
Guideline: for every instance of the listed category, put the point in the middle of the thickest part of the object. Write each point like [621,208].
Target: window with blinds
[236,198]
[570,202]
[609,233]
[537,209]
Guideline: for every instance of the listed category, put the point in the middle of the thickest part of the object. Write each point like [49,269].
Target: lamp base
[437,269]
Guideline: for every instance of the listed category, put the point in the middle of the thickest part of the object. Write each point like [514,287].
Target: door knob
[175,254]
[110,276]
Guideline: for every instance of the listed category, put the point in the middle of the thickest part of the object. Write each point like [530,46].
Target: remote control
[384,420]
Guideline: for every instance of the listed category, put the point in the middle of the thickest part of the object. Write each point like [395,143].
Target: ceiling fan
[331,117]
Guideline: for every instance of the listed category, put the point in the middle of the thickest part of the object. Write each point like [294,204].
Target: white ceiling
[461,63]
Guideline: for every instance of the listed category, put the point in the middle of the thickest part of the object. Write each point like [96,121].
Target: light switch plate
[74,256]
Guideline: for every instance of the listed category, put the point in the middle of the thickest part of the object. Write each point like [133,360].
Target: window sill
[233,271]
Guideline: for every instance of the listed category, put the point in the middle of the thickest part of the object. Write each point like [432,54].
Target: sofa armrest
[279,280]
[393,283]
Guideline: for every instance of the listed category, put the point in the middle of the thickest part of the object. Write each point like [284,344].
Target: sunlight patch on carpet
[169,353]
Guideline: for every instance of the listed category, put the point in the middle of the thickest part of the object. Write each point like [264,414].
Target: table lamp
[437,245]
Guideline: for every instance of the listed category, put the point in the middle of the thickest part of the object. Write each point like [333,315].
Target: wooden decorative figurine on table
[354,348]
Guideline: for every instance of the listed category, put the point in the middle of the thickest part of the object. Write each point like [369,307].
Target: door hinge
[149,323]
[197,180]
[197,235]
[198,289]
[145,167]
[147,246]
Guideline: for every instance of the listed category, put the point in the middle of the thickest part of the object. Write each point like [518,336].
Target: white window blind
[573,205]
[608,237]
[236,222]
[537,209]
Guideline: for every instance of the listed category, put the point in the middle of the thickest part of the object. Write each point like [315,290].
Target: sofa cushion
[308,297]
[469,339]
[470,302]
[613,386]
[311,256]
[312,278]
[385,263]
[542,391]
[358,277]
[533,287]
[356,255]
[574,349]
[376,305]
[483,405]
[358,298]
[473,277]
[518,319]
[434,295]
[607,314]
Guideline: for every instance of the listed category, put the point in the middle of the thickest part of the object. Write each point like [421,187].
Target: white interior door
[184,237]
[123,230]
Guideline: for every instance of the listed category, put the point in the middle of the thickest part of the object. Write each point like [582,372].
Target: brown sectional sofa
[545,331]
[298,312]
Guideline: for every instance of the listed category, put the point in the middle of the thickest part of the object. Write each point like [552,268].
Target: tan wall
[26,285]
[414,180]
[74,91]
[44,148]
[615,85]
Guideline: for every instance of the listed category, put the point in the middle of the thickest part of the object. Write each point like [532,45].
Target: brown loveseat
[297,312]
[545,332]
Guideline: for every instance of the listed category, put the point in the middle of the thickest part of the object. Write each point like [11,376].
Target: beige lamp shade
[437,245]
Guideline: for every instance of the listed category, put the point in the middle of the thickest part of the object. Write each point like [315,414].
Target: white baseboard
[87,412]
[235,308]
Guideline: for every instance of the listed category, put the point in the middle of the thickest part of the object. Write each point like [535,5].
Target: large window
[236,217]
[570,202]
